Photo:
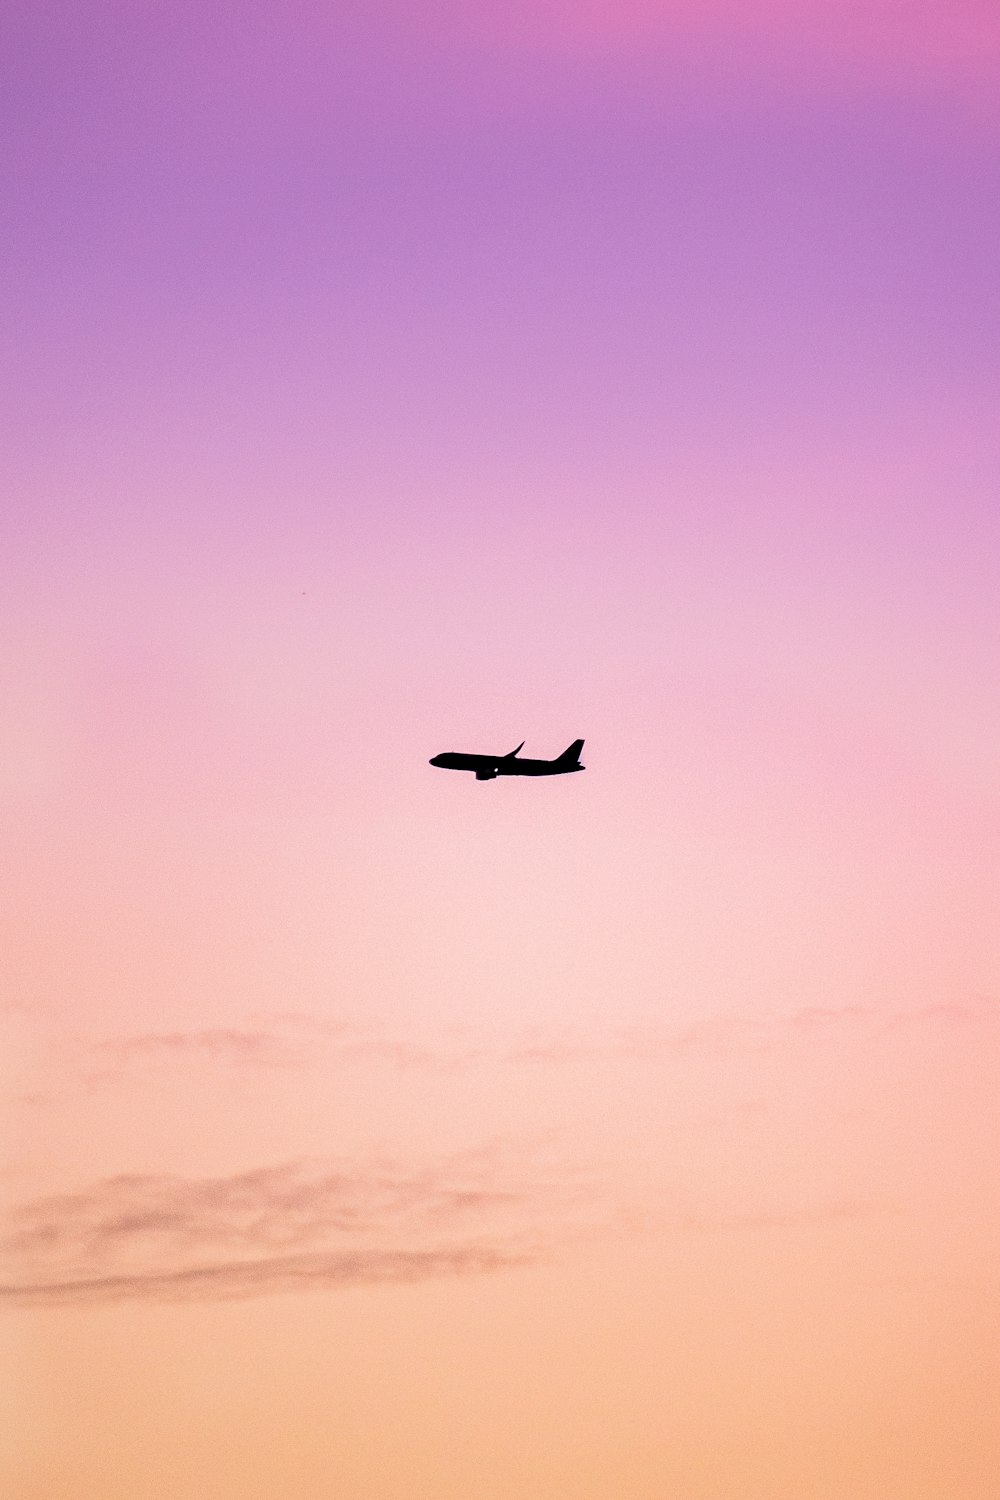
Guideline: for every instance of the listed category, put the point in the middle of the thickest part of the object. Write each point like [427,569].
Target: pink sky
[388,381]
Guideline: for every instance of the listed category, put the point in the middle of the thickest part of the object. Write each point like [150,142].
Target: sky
[385,380]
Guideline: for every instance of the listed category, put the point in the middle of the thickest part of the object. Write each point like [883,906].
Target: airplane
[488,766]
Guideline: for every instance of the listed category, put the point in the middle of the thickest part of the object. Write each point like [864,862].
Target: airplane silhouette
[488,766]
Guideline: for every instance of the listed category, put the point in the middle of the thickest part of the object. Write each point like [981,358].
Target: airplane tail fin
[570,755]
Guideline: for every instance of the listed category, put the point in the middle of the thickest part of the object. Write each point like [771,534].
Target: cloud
[309,1226]
[287,1226]
[297,1040]
[217,1043]
[294,1036]
[104,1063]
[285,1040]
[230,1280]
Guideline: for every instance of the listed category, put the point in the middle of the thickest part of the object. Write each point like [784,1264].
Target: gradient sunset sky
[386,379]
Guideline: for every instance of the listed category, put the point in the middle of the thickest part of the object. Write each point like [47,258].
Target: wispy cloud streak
[231,1280]
[218,1043]
[283,1227]
[298,1040]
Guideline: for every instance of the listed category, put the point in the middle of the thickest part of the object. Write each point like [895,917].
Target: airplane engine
[485,775]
